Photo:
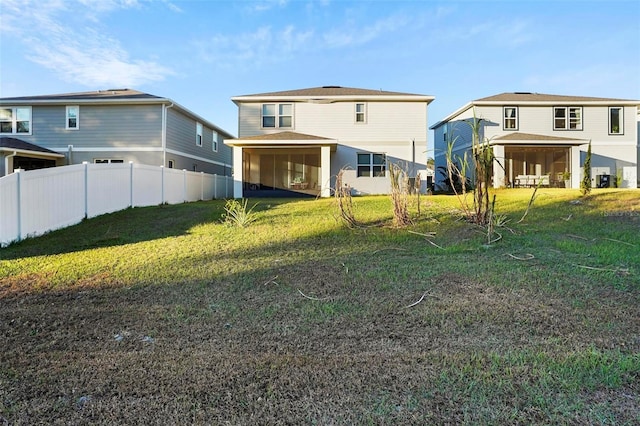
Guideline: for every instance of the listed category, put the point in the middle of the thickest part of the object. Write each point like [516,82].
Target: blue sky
[201,53]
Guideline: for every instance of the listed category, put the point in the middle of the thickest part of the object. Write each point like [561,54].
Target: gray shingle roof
[18,144]
[110,94]
[332,91]
[284,136]
[541,97]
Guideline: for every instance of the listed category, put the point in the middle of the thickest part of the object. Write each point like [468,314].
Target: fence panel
[9,225]
[51,199]
[108,188]
[35,202]
[147,190]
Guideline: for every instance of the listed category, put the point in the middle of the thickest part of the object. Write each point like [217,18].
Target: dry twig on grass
[577,236]
[618,241]
[319,299]
[388,248]
[623,271]
[272,280]
[427,236]
[526,256]
[426,293]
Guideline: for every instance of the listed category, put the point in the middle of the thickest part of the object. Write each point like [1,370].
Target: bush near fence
[38,201]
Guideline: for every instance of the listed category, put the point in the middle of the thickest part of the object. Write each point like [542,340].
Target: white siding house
[299,140]
[537,137]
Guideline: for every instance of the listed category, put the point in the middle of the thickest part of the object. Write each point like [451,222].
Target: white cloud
[351,35]
[77,53]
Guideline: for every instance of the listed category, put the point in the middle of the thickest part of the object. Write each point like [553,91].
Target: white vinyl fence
[38,201]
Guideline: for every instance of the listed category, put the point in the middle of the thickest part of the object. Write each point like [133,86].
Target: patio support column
[498,170]
[325,171]
[237,172]
[576,167]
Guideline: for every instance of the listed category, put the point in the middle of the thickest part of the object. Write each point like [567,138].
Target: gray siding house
[108,126]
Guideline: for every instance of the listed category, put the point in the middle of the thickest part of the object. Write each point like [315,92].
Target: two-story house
[299,140]
[544,138]
[108,126]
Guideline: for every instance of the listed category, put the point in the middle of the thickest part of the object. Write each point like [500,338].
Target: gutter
[165,107]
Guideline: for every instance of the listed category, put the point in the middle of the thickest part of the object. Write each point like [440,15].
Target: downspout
[6,163]
[165,107]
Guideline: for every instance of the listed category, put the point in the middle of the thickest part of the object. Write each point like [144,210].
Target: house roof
[109,96]
[333,93]
[526,97]
[529,98]
[14,144]
[97,95]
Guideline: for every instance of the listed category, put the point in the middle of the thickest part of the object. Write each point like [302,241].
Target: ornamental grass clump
[237,214]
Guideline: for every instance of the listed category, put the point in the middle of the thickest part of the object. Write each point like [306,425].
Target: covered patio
[18,154]
[282,164]
[532,160]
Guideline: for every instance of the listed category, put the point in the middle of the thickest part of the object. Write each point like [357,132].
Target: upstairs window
[371,165]
[616,121]
[198,134]
[567,118]
[73,118]
[361,116]
[214,141]
[510,118]
[277,116]
[15,120]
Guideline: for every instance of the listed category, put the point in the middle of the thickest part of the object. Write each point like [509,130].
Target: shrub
[237,214]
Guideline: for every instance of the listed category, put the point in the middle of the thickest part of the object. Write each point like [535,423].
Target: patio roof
[8,144]
[282,139]
[518,138]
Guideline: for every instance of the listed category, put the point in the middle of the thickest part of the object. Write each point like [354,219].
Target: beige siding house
[543,138]
[297,141]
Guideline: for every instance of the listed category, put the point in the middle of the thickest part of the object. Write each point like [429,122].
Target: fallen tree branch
[495,240]
[527,256]
[319,299]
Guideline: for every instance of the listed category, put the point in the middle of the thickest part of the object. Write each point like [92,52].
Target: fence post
[184,185]
[131,184]
[215,187]
[201,186]
[86,189]
[161,185]
[19,203]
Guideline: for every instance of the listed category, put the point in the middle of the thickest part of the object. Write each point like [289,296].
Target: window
[371,165]
[567,118]
[171,164]
[214,141]
[15,120]
[360,113]
[107,161]
[510,118]
[73,117]
[198,134]
[616,121]
[277,115]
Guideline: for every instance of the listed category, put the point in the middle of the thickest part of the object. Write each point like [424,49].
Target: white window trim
[276,116]
[199,131]
[66,123]
[567,118]
[516,118]
[14,120]
[171,164]
[363,112]
[621,119]
[214,141]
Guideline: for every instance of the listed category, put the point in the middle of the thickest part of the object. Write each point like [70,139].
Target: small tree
[585,185]
[399,194]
